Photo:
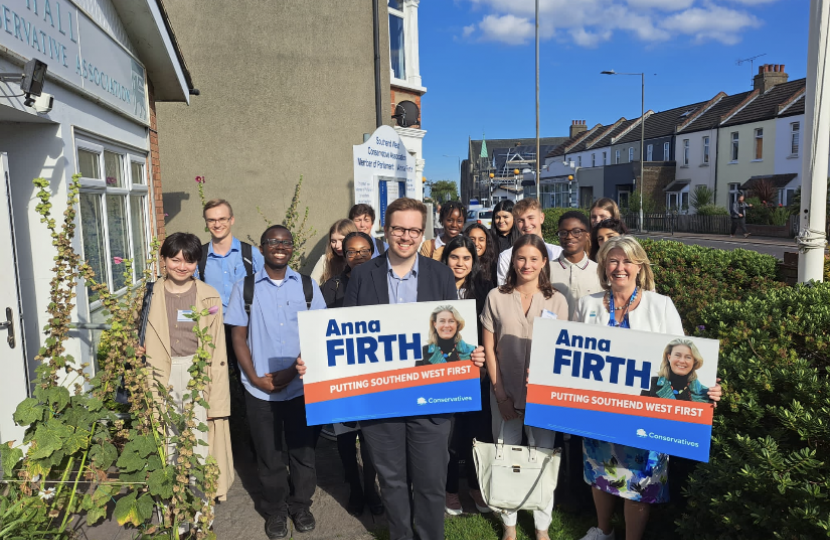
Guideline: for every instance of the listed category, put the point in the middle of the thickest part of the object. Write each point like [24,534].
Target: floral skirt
[627,472]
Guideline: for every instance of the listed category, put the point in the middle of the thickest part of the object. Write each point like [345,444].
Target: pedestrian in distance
[263,311]
[170,345]
[357,248]
[529,218]
[461,255]
[615,470]
[602,209]
[451,217]
[602,231]
[332,262]
[573,273]
[503,225]
[409,453]
[738,214]
[485,244]
[363,216]
[507,322]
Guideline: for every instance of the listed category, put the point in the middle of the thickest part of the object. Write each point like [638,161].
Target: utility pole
[812,219]
[538,149]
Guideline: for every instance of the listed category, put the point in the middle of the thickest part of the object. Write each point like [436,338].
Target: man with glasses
[266,338]
[410,450]
[573,273]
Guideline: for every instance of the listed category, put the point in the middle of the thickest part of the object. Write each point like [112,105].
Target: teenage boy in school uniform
[529,218]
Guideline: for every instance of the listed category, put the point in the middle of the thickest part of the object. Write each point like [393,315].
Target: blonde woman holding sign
[615,470]
[507,320]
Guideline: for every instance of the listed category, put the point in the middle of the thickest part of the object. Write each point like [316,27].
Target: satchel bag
[514,477]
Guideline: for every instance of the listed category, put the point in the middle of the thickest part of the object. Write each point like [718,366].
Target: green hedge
[769,474]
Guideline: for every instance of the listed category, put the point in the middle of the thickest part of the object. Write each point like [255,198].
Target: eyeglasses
[273,243]
[363,253]
[218,221]
[576,233]
[398,232]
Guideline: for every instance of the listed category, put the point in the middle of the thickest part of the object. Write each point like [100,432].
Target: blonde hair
[633,252]
[665,366]
[526,205]
[336,263]
[433,335]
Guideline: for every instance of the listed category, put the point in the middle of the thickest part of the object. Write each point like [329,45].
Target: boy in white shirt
[528,216]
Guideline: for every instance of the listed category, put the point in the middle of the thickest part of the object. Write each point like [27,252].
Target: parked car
[480,215]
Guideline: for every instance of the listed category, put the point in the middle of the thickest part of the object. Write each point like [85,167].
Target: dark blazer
[368,285]
[334,290]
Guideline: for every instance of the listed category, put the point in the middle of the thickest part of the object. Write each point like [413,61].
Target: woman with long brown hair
[333,262]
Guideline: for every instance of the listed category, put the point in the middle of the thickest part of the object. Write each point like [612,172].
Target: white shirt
[574,280]
[507,254]
[655,313]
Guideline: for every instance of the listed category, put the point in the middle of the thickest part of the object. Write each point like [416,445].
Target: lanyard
[613,321]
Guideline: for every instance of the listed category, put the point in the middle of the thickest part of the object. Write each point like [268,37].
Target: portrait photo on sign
[677,376]
[446,343]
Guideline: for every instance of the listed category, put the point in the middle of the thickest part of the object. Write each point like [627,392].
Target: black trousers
[283,493]
[347,449]
[738,223]
[466,427]
[411,450]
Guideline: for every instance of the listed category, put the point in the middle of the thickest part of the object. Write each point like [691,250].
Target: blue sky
[477,62]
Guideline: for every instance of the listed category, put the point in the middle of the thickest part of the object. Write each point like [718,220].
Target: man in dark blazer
[414,449]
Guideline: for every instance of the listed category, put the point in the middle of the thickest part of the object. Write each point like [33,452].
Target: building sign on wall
[383,170]
[75,50]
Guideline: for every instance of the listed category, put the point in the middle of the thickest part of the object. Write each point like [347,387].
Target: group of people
[596,275]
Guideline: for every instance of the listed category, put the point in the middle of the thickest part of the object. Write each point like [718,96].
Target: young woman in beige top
[507,321]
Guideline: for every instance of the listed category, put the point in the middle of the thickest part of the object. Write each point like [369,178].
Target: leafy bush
[551,224]
[712,210]
[769,473]
[702,196]
[650,205]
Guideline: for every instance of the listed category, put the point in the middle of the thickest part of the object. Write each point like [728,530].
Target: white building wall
[697,172]
[105,16]
[785,161]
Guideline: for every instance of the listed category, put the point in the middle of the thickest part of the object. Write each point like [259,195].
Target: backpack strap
[203,261]
[248,294]
[248,258]
[308,290]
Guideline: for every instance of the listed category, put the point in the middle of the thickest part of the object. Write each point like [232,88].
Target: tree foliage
[443,191]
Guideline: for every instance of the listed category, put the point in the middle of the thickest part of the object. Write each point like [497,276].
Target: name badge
[183,313]
[547,314]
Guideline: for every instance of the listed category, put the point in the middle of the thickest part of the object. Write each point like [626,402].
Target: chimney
[577,127]
[770,75]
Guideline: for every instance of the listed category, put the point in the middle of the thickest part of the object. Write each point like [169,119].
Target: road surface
[770,246]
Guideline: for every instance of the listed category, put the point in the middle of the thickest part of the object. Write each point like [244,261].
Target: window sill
[703,165]
[406,85]
[732,163]
[793,156]
[756,161]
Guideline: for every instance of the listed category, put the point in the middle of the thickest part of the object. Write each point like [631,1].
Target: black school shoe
[276,527]
[356,503]
[375,503]
[304,521]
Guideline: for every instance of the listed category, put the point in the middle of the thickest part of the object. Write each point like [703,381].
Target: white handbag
[514,477]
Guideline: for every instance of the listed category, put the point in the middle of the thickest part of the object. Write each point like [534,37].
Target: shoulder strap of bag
[203,261]
[145,310]
[248,258]
[308,290]
[248,293]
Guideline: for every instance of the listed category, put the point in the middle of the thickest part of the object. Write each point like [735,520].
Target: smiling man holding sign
[631,390]
[372,352]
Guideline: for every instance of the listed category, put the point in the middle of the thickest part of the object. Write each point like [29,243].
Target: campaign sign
[389,361]
[640,389]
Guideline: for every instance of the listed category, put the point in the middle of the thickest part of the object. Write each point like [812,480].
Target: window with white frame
[759,143]
[604,158]
[686,152]
[631,154]
[705,149]
[593,160]
[735,144]
[795,138]
[397,48]
[113,205]
[650,152]
[666,151]
[617,157]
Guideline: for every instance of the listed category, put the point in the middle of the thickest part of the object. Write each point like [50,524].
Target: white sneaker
[595,533]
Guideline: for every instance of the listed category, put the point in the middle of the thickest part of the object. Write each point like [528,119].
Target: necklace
[447,355]
[611,309]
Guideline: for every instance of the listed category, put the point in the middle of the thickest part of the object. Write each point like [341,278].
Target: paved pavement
[770,246]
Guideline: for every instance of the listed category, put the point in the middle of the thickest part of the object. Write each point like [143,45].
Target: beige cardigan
[217,392]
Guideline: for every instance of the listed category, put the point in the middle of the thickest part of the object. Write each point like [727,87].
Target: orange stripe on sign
[390,380]
[647,407]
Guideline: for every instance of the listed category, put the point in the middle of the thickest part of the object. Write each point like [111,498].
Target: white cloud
[588,23]
[507,29]
[712,23]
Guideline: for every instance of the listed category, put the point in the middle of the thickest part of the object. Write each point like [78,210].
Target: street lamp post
[538,150]
[642,132]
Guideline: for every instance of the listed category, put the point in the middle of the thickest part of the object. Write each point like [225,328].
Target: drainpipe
[376,36]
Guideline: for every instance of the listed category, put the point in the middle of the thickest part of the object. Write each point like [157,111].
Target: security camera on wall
[43,103]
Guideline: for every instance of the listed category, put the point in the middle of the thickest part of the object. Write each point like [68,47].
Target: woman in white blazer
[615,470]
